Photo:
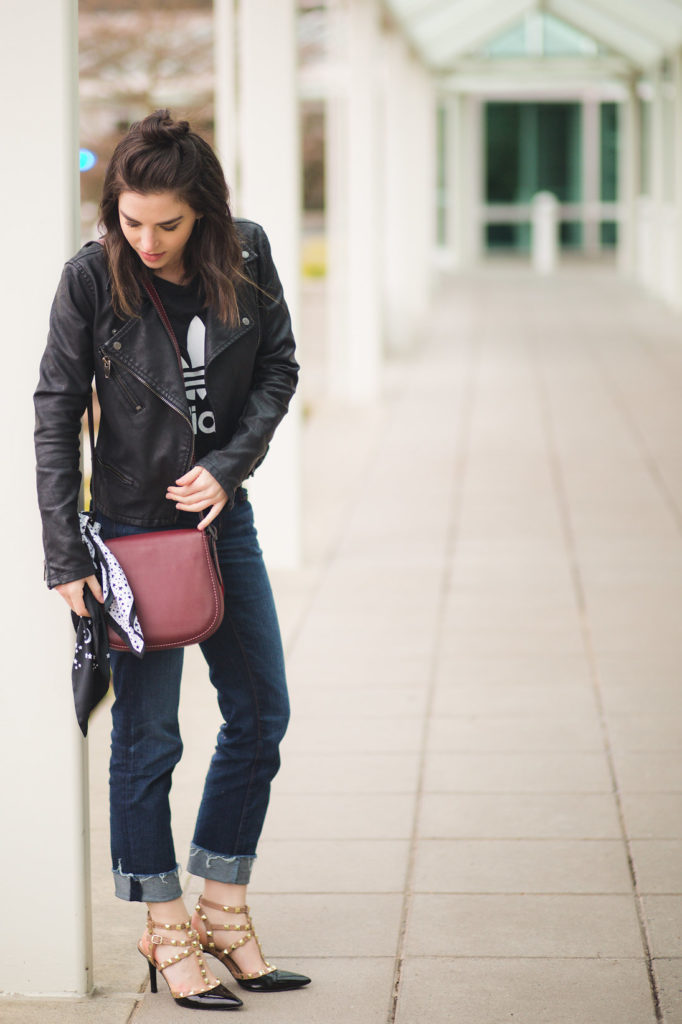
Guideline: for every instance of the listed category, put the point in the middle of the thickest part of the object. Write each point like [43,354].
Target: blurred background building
[415,138]
[580,98]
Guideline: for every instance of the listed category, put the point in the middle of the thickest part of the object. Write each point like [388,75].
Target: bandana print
[91,671]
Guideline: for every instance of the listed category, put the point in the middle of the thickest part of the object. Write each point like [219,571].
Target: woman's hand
[73,594]
[196,491]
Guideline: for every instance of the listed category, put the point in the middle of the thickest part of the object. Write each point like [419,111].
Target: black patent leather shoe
[274,981]
[216,998]
[270,979]
[206,997]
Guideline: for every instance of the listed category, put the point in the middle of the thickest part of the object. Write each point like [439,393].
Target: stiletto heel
[210,997]
[268,980]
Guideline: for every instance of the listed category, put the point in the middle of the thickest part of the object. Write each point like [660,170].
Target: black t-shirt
[187,314]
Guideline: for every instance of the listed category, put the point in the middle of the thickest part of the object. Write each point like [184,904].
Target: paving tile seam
[527,893]
[564,840]
[647,894]
[351,751]
[506,792]
[572,553]
[458,471]
[96,993]
[447,957]
[522,839]
[416,891]
[333,840]
[442,749]
[532,894]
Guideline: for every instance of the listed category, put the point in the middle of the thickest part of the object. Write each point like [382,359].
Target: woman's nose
[148,240]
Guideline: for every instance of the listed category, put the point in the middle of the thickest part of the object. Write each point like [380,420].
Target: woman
[169,449]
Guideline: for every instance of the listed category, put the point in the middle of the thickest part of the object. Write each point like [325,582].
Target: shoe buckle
[157,940]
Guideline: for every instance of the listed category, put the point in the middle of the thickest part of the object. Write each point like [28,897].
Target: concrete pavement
[479,815]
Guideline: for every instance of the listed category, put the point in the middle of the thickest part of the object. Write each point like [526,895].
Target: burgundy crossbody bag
[174,574]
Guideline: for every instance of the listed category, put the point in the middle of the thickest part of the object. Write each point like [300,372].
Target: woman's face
[157,226]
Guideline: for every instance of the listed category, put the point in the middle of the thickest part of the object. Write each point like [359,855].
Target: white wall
[43,859]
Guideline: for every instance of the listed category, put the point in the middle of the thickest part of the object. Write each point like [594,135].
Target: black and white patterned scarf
[90,673]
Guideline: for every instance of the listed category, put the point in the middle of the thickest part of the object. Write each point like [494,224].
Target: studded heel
[270,979]
[206,997]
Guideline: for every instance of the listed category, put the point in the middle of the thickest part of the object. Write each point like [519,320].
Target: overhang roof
[446,32]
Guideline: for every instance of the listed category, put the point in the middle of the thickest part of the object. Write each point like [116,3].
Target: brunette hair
[159,154]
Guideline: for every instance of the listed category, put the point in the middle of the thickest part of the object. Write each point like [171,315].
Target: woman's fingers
[193,506]
[215,507]
[93,583]
[189,494]
[191,476]
[210,516]
[195,491]
[73,594]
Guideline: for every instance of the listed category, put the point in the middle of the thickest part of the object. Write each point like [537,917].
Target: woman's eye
[134,224]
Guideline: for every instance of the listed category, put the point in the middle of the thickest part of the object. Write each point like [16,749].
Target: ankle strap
[219,906]
[166,940]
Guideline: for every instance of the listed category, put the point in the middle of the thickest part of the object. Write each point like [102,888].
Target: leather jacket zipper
[130,397]
[107,360]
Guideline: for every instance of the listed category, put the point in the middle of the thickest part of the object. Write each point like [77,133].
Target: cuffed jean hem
[148,888]
[218,867]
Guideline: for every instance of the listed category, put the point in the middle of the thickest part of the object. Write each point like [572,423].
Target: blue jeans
[246,667]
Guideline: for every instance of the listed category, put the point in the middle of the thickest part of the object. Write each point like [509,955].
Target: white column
[401,152]
[655,271]
[472,191]
[545,233]
[225,90]
[422,201]
[455,162]
[628,190]
[420,195]
[43,803]
[396,269]
[337,236]
[263,129]
[657,119]
[677,289]
[408,192]
[591,189]
[353,202]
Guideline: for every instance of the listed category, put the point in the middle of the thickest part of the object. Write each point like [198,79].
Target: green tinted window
[532,147]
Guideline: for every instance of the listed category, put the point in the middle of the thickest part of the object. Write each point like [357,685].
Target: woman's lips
[151,256]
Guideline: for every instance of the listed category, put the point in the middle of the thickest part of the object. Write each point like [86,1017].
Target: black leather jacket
[145,437]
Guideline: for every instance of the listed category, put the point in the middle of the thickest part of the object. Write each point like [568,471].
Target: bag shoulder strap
[91,435]
[163,315]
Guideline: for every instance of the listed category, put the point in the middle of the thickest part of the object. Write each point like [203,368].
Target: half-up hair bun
[159,128]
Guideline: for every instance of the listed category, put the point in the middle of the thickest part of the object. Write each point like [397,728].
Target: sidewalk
[479,816]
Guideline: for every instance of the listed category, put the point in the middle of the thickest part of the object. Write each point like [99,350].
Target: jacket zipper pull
[107,367]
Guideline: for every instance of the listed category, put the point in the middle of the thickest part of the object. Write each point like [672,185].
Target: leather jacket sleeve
[66,371]
[273,384]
